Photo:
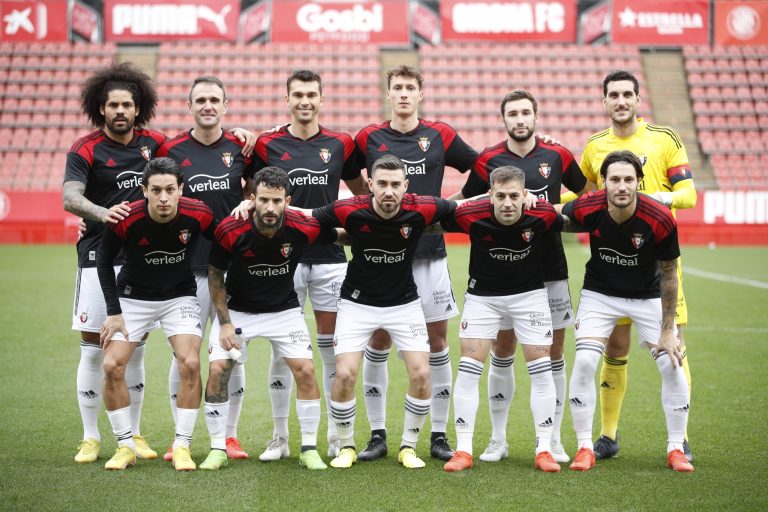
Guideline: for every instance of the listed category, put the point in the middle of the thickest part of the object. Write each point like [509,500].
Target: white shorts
[90,310]
[322,281]
[527,313]
[434,286]
[356,323]
[204,299]
[176,316]
[559,303]
[286,331]
[598,313]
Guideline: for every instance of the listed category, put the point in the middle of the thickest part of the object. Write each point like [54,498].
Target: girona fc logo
[286,249]
[424,143]
[637,240]
[227,159]
[325,155]
[184,236]
[405,230]
[545,169]
[146,153]
[527,234]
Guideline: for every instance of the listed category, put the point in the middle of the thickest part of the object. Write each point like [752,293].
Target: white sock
[185,426]
[674,399]
[280,387]
[121,426]
[416,411]
[308,412]
[344,417]
[327,355]
[375,384]
[90,382]
[134,379]
[174,380]
[558,375]
[582,394]
[236,390]
[501,390]
[542,401]
[466,398]
[440,377]
[215,418]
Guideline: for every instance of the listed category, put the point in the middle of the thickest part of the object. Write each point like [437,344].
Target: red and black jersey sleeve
[458,154]
[315,232]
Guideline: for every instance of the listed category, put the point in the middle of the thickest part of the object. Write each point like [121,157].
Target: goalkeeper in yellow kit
[668,179]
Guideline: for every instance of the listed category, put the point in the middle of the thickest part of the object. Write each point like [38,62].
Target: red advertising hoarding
[163,20]
[741,23]
[254,22]
[660,22]
[520,20]
[30,21]
[85,22]
[595,22]
[362,21]
[425,23]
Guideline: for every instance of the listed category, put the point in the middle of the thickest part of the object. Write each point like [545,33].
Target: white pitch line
[724,278]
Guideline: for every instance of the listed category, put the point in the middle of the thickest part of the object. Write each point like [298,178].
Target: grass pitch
[40,426]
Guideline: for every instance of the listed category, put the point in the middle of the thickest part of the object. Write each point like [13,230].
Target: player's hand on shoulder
[530,201]
[242,211]
[249,138]
[548,139]
[664,198]
[116,213]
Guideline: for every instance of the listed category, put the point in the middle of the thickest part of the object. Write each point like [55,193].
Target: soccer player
[632,273]
[506,287]
[667,178]
[155,285]
[425,147]
[102,176]
[316,160]
[260,256]
[217,173]
[379,292]
[546,166]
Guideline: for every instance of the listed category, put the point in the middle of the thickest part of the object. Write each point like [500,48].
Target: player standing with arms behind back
[667,178]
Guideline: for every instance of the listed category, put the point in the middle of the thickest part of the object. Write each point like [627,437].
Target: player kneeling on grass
[155,284]
[260,256]
[505,291]
[632,273]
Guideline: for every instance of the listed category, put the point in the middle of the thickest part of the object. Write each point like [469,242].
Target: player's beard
[521,138]
[388,206]
[269,225]
[122,130]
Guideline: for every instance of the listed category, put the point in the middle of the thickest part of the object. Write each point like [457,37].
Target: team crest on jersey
[405,230]
[184,236]
[545,169]
[424,143]
[286,249]
[227,159]
[146,153]
[325,155]
[637,240]
[83,317]
[527,234]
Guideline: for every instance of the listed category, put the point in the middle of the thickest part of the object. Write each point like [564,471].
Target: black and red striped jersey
[112,173]
[425,151]
[315,169]
[260,269]
[504,260]
[547,167]
[624,261]
[157,256]
[213,174]
[381,270]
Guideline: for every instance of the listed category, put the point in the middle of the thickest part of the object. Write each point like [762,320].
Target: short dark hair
[272,177]
[622,156]
[388,163]
[124,77]
[405,72]
[208,79]
[505,173]
[304,75]
[617,76]
[519,94]
[162,165]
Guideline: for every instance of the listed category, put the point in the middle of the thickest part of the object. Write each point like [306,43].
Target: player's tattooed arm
[76,202]
[218,293]
[669,341]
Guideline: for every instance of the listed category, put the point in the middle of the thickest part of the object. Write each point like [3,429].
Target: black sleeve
[460,155]
[573,178]
[219,257]
[450,225]
[475,185]
[326,216]
[108,250]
